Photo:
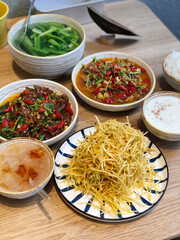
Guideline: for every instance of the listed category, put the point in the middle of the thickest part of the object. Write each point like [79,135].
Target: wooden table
[34,218]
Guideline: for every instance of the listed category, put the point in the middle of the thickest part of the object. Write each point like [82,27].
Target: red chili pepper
[91,88]
[132,89]
[110,93]
[41,109]
[5,122]
[122,95]
[128,94]
[11,124]
[115,95]
[51,128]
[58,115]
[97,90]
[131,84]
[23,128]
[133,69]
[69,109]
[108,73]
[123,88]
[104,85]
[8,109]
[109,100]
[26,91]
[145,90]
[28,102]
[61,124]
[143,70]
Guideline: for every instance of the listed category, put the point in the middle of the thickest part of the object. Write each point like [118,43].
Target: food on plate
[163,113]
[49,39]
[172,65]
[113,81]
[36,112]
[112,164]
[21,161]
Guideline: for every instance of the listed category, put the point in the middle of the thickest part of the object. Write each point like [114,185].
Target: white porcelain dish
[161,114]
[170,77]
[32,191]
[47,67]
[18,86]
[111,107]
[80,202]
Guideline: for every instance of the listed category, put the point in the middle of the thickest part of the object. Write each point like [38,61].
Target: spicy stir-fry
[113,81]
[37,112]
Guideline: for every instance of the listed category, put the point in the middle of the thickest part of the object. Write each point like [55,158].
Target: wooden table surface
[34,218]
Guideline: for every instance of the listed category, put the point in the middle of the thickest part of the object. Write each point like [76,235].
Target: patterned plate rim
[124,219]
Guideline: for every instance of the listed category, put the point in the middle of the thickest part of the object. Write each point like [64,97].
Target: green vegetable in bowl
[49,39]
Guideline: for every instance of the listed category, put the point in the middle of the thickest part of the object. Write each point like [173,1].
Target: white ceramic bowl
[34,189]
[47,67]
[17,87]
[173,82]
[111,107]
[161,114]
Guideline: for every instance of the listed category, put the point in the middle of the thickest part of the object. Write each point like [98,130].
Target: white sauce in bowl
[163,113]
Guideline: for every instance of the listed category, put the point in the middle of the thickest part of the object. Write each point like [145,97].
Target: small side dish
[161,115]
[36,112]
[113,81]
[171,69]
[23,160]
[49,39]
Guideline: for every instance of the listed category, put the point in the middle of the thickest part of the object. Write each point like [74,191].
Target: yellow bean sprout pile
[111,164]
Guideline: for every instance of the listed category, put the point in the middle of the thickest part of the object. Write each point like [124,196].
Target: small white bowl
[173,82]
[161,114]
[111,107]
[18,86]
[32,191]
[47,67]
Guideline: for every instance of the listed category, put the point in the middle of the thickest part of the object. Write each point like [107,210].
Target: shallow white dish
[161,113]
[18,86]
[47,67]
[111,107]
[79,202]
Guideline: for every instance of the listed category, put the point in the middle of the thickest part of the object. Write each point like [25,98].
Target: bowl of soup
[113,81]
[24,161]
[52,46]
[161,113]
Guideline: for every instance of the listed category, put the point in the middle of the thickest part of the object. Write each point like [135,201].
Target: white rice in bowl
[172,65]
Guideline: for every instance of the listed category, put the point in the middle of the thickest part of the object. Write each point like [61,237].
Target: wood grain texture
[35,218]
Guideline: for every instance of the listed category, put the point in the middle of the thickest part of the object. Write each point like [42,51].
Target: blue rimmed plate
[80,202]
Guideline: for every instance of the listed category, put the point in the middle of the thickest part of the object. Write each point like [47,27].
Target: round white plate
[79,202]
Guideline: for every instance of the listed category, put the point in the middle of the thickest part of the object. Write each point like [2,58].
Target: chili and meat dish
[113,81]
[37,112]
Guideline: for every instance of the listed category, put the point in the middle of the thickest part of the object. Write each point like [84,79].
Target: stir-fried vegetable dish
[49,39]
[113,81]
[112,164]
[37,112]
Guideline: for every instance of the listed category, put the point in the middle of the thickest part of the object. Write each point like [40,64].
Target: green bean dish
[48,39]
